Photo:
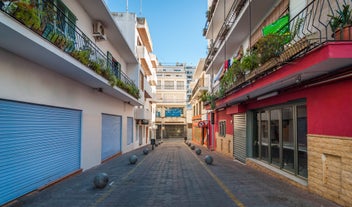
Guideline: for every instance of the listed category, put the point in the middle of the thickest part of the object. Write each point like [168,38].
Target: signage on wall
[202,124]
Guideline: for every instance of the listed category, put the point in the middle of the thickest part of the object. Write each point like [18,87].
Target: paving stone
[173,175]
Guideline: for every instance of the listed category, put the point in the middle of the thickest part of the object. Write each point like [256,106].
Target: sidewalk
[173,175]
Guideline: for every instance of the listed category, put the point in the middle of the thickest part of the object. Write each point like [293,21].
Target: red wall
[221,115]
[329,107]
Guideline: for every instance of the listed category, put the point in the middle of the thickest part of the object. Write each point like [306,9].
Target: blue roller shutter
[38,145]
[111,135]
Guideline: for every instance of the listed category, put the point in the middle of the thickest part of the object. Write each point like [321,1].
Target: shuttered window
[222,128]
[129,130]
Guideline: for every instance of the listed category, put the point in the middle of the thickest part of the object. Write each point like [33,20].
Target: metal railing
[57,25]
[200,83]
[314,22]
[228,23]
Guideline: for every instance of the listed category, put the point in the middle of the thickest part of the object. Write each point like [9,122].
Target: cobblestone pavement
[173,175]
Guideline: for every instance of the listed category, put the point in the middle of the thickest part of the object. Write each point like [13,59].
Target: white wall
[22,80]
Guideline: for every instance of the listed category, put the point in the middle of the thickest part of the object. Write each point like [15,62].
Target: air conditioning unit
[98,31]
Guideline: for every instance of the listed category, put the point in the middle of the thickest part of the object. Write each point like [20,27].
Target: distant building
[171,101]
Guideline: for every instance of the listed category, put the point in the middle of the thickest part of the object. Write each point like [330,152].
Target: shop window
[282,138]
[222,128]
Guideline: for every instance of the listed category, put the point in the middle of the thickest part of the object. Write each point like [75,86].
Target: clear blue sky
[175,26]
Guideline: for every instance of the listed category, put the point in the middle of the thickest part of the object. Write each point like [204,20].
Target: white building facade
[171,101]
[136,32]
[69,88]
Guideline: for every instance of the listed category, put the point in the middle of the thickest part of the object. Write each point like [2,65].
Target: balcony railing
[230,19]
[309,29]
[200,83]
[58,27]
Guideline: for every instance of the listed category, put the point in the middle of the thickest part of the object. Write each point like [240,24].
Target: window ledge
[291,177]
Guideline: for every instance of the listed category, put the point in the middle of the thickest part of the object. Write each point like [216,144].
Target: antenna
[140,7]
[126,5]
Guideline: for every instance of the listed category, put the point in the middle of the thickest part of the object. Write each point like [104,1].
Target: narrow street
[173,175]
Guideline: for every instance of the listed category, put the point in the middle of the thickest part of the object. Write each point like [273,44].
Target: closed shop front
[111,135]
[38,145]
[175,131]
[239,123]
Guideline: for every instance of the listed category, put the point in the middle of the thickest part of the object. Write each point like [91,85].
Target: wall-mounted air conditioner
[98,31]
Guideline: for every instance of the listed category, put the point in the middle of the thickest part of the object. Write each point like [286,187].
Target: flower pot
[344,33]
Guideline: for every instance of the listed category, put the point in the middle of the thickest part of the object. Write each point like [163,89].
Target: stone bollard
[101,180]
[145,151]
[133,159]
[193,147]
[208,159]
[198,151]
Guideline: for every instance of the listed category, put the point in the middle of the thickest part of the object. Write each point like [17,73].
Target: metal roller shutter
[38,145]
[239,121]
[111,135]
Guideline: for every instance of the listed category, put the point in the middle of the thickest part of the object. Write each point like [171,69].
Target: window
[158,112]
[61,18]
[141,80]
[287,147]
[158,85]
[169,85]
[180,85]
[222,128]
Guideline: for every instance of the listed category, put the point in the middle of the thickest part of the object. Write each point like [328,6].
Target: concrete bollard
[208,159]
[133,159]
[101,180]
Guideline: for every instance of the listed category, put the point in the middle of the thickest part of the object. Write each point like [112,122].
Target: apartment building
[136,32]
[199,87]
[171,101]
[281,82]
[70,84]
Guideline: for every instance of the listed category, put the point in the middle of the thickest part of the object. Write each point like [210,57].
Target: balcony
[142,114]
[200,87]
[148,90]
[143,55]
[234,30]
[154,60]
[143,31]
[308,54]
[62,47]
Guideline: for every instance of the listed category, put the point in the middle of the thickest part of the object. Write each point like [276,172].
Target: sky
[175,27]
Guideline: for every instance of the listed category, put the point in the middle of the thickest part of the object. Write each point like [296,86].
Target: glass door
[275,145]
[264,135]
[302,140]
[288,139]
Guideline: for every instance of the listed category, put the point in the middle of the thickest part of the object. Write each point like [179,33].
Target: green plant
[28,14]
[270,46]
[82,56]
[342,18]
[249,62]
[210,98]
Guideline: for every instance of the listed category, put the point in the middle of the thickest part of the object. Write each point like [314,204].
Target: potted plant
[341,23]
[28,14]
